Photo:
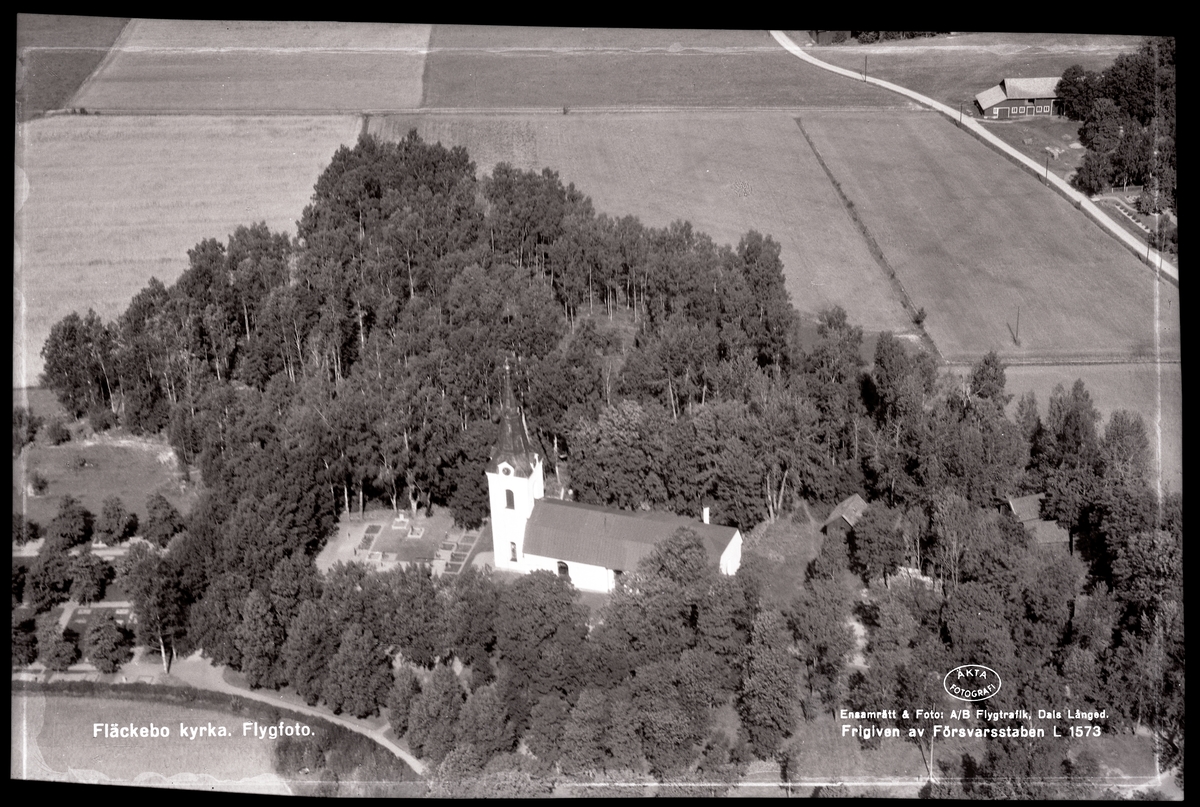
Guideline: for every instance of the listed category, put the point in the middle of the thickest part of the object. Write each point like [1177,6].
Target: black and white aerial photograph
[508,411]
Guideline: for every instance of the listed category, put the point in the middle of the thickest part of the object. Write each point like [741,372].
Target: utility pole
[1017,335]
[864,67]
[960,113]
[1047,167]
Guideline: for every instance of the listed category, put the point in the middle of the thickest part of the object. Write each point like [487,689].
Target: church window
[562,570]
[508,500]
[512,548]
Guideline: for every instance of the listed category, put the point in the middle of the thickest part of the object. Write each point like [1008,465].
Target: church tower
[515,481]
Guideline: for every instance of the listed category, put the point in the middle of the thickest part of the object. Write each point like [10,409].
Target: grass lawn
[726,172]
[1045,133]
[133,469]
[955,69]
[55,54]
[512,67]
[972,237]
[113,201]
[52,739]
[1134,387]
[250,67]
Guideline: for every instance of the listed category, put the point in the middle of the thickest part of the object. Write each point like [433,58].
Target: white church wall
[585,576]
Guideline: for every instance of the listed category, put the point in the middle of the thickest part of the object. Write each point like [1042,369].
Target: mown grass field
[511,67]
[52,739]
[110,202]
[723,171]
[1134,387]
[1044,133]
[972,237]
[55,54]
[955,69]
[257,67]
[93,470]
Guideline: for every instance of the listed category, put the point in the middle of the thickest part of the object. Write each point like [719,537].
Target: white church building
[591,545]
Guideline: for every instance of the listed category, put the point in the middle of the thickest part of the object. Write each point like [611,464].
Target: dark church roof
[513,444]
[613,539]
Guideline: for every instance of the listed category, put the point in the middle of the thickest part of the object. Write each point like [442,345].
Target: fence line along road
[1148,255]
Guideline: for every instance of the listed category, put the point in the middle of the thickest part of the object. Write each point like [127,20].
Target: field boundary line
[1082,202]
[872,245]
[113,50]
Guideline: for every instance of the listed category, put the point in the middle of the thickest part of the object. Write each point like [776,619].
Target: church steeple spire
[512,444]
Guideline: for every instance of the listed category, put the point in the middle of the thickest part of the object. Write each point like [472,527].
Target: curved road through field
[1167,268]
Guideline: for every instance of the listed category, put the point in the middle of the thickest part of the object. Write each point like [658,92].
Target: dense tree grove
[1127,116]
[657,370]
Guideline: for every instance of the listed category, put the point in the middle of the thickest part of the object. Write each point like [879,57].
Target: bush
[38,483]
[839,37]
[25,428]
[57,433]
[919,317]
[24,530]
[867,37]
[58,649]
[102,419]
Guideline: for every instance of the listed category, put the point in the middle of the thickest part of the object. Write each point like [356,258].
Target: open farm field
[972,237]
[725,172]
[52,741]
[109,202]
[955,69]
[207,66]
[497,67]
[92,470]
[1134,387]
[55,54]
[40,401]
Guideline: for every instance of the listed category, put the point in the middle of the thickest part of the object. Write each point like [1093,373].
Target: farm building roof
[613,539]
[1027,508]
[1047,532]
[990,97]
[850,509]
[1023,88]
[1031,87]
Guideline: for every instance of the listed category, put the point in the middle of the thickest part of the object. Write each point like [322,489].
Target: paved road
[1167,268]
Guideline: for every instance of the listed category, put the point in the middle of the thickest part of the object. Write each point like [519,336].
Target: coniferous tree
[359,676]
[405,688]
[259,638]
[768,697]
[108,644]
[307,651]
[433,716]
[483,723]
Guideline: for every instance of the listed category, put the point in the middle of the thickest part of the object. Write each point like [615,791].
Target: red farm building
[1020,98]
